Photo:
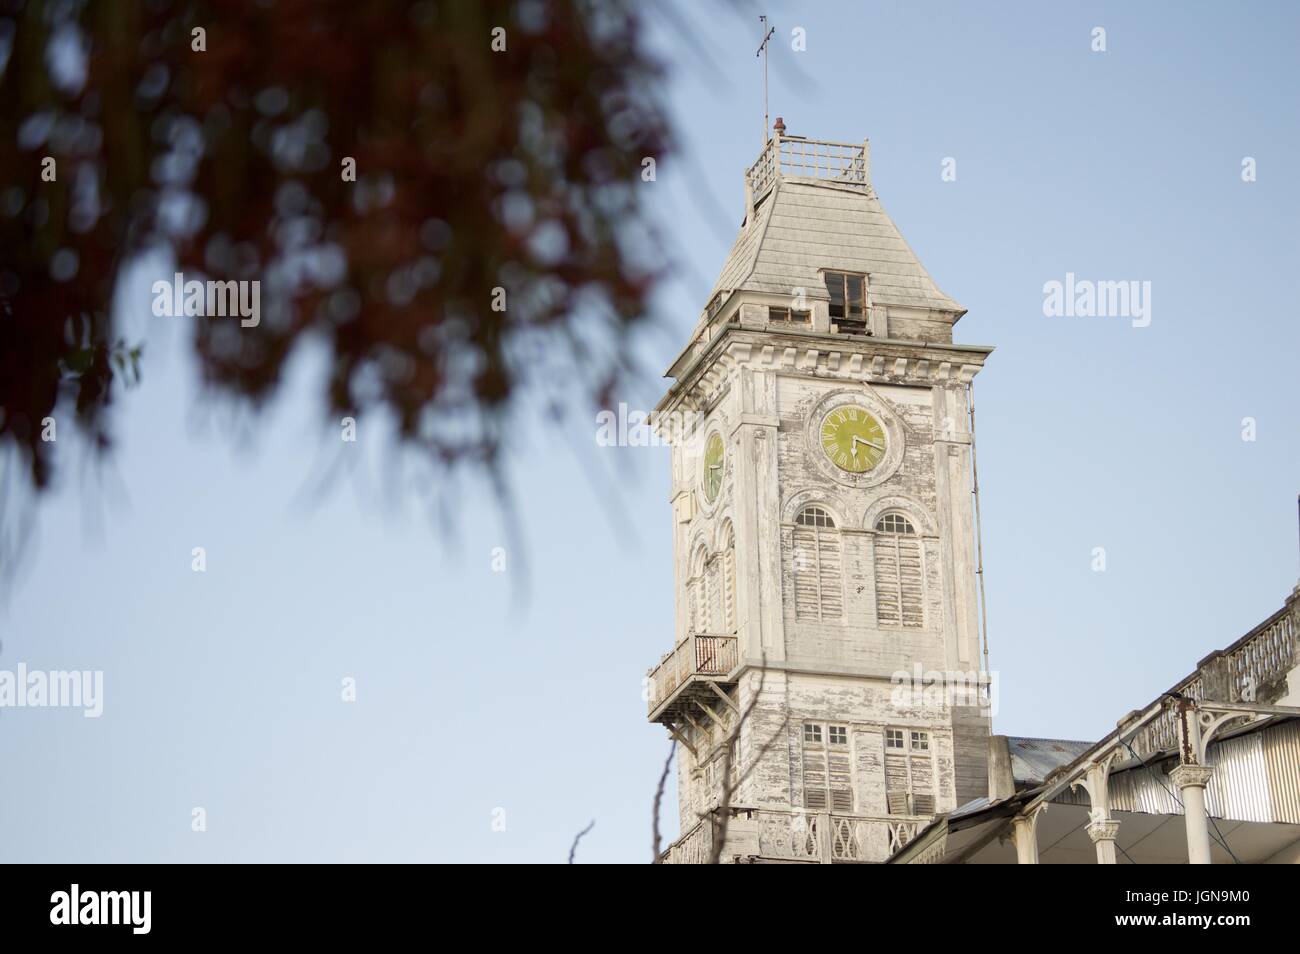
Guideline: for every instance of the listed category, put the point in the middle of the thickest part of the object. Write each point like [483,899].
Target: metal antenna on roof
[762,51]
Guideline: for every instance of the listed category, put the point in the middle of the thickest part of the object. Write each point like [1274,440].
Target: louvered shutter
[827,770]
[692,611]
[900,592]
[909,579]
[888,608]
[814,775]
[896,783]
[714,597]
[818,573]
[829,574]
[729,587]
[840,777]
[700,616]
[922,785]
[806,601]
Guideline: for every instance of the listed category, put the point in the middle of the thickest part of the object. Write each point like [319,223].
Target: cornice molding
[877,361]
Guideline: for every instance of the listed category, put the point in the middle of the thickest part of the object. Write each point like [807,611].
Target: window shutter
[693,596]
[900,593]
[814,775]
[713,612]
[841,780]
[896,783]
[700,615]
[806,602]
[888,609]
[729,587]
[827,768]
[829,563]
[909,577]
[922,785]
[692,610]
[818,586]
[909,774]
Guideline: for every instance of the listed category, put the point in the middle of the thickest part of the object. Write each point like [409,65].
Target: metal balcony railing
[708,655]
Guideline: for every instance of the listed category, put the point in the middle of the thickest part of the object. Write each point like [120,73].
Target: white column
[1191,781]
[1102,829]
[1024,833]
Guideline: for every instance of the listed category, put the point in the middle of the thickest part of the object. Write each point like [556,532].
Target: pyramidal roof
[810,209]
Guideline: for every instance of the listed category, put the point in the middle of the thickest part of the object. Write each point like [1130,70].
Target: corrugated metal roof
[1282,757]
[1032,760]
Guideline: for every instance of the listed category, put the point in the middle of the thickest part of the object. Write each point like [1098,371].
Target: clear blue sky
[222,689]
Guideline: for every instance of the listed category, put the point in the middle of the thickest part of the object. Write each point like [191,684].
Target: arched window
[818,590]
[900,578]
[815,517]
[894,523]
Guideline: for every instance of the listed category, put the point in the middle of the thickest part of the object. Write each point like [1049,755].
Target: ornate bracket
[1024,833]
[1199,723]
[1211,721]
[1096,782]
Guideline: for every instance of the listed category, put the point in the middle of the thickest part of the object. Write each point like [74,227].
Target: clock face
[852,438]
[713,466]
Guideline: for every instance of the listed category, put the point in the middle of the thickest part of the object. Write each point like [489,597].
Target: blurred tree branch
[482,176]
[573,849]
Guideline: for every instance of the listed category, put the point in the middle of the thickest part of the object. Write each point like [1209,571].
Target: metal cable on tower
[979,537]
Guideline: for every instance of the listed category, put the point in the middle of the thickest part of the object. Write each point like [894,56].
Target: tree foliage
[498,148]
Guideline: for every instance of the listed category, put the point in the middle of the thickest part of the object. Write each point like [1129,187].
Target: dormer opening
[848,305]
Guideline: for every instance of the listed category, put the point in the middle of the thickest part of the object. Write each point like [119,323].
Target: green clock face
[852,439]
[713,466]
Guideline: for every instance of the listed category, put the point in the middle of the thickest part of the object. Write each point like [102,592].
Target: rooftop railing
[793,156]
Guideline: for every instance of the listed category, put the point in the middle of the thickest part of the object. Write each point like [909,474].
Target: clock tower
[826,685]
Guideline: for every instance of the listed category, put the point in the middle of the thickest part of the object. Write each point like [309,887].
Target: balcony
[1253,669]
[695,672]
